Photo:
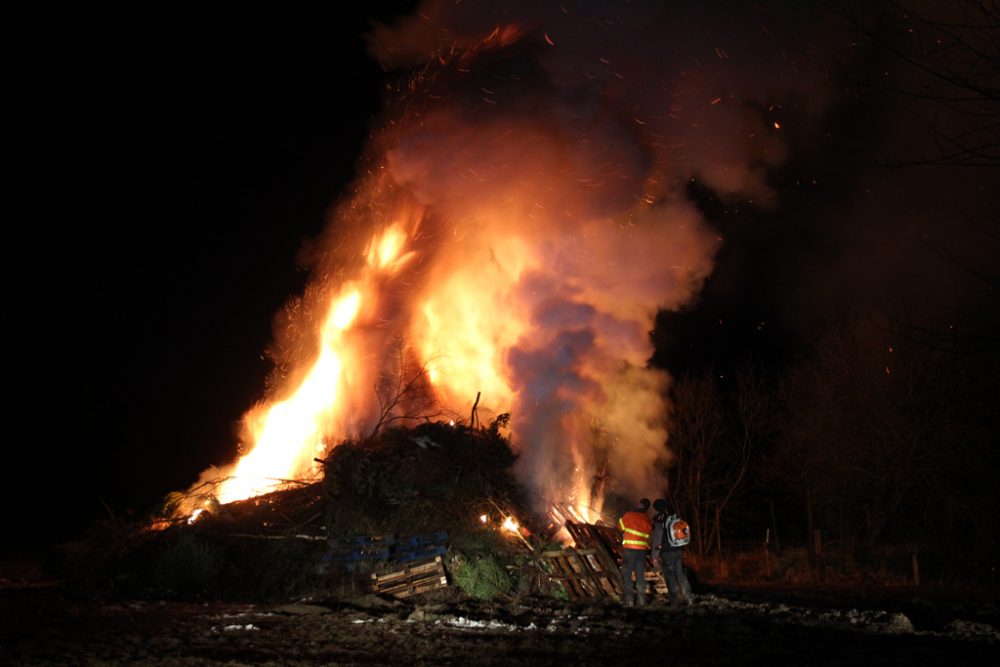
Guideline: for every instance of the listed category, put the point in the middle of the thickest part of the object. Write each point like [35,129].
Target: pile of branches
[437,476]
[404,482]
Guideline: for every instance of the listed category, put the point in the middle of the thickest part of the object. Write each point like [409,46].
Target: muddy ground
[47,625]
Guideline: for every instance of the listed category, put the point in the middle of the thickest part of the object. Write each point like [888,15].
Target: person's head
[660,505]
[643,504]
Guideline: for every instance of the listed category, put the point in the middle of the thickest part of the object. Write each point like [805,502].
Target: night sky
[171,166]
[170,171]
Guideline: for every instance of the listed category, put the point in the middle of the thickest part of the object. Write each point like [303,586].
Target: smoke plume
[536,161]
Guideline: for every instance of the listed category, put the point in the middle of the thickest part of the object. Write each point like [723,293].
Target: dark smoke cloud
[698,85]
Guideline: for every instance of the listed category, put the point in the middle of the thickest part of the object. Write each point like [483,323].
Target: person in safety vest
[636,530]
[670,559]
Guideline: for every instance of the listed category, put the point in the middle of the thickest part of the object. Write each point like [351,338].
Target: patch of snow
[972,630]
[874,621]
[462,622]
[243,614]
[878,621]
[248,626]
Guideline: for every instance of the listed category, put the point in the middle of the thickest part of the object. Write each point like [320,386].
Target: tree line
[877,440]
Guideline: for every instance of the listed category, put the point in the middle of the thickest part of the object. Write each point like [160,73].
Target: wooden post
[818,542]
[767,553]
[718,532]
[809,527]
[774,527]
[723,566]
[916,570]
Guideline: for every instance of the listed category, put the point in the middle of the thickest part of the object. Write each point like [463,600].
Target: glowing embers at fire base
[507,525]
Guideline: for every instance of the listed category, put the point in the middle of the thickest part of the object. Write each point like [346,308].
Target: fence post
[810,543]
[767,553]
[774,526]
[723,566]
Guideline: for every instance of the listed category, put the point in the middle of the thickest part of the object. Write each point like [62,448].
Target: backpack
[677,531]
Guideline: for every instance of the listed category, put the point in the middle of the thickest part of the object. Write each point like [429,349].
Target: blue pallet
[351,550]
[408,556]
[341,556]
[360,540]
[439,537]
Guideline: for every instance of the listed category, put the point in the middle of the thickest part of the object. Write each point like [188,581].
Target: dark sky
[171,165]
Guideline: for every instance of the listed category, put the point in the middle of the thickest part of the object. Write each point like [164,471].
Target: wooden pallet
[349,551]
[362,547]
[606,542]
[420,547]
[656,582]
[583,575]
[412,578]
[601,539]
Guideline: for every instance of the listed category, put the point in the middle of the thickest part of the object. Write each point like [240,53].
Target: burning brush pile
[403,480]
[521,214]
[439,478]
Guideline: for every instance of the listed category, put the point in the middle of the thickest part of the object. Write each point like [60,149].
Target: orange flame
[289,434]
[511,260]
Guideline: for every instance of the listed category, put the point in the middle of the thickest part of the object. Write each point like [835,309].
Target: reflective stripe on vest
[636,527]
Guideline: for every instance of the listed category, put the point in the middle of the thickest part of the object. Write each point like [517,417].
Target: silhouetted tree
[714,438]
[943,62]
[888,440]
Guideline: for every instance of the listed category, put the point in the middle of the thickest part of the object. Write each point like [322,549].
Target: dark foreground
[48,626]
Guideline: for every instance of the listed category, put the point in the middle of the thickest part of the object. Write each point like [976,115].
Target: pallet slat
[604,543]
[582,574]
[412,578]
[350,550]
[407,572]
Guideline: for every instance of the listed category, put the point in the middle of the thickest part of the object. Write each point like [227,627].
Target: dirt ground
[46,625]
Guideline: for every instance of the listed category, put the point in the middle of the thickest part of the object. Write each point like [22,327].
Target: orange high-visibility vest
[636,528]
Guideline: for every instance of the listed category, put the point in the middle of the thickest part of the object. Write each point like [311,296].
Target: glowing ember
[510,525]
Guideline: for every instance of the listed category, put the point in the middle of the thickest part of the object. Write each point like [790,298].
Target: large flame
[298,419]
[521,219]
[288,434]
[471,320]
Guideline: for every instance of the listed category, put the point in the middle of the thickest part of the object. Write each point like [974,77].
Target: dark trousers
[672,568]
[634,562]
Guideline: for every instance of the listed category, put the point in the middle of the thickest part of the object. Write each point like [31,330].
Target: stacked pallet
[605,541]
[420,547]
[349,551]
[583,574]
[412,578]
